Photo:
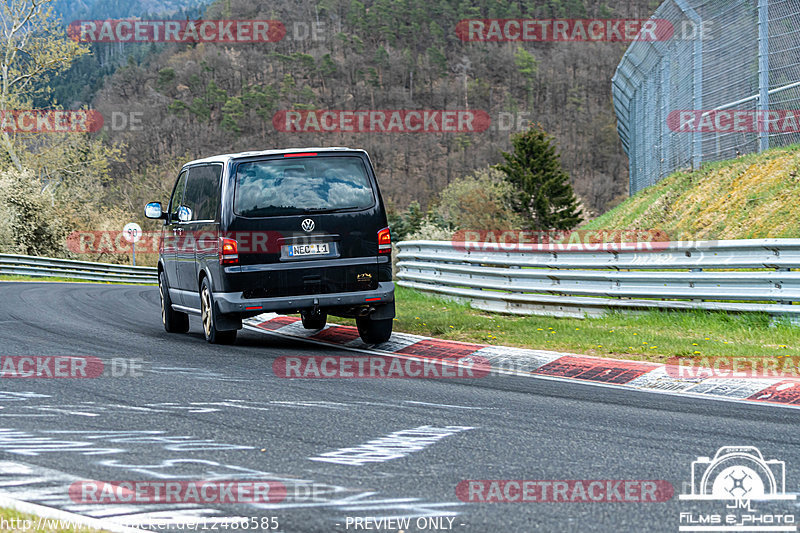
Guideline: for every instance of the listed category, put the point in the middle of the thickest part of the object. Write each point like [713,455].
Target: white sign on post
[132,232]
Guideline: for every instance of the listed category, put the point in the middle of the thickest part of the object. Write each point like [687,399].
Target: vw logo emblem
[307,225]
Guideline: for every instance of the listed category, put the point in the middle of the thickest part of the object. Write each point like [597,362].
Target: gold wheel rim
[205,299]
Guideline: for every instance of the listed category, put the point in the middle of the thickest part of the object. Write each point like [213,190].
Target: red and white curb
[651,377]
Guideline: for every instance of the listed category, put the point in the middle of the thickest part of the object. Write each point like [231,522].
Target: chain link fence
[734,55]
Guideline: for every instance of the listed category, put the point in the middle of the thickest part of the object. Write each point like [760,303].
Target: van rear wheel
[374,331]
[209,315]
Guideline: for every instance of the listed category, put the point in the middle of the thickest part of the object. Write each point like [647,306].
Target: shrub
[32,225]
[480,201]
[430,231]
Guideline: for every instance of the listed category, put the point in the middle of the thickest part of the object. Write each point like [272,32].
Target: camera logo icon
[738,473]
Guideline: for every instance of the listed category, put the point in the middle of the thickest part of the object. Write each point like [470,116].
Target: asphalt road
[196,411]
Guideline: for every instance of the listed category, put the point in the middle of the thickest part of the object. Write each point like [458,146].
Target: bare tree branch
[32,45]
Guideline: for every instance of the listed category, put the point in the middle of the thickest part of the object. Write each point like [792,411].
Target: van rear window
[301,185]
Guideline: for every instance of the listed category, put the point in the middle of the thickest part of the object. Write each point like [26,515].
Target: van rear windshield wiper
[327,209]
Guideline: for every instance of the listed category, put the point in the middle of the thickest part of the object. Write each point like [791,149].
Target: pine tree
[545,196]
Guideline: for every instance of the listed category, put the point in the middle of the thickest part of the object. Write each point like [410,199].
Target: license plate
[298,250]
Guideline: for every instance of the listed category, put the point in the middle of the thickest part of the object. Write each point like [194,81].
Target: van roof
[224,158]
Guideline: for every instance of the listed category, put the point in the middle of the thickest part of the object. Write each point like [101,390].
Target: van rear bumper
[234,303]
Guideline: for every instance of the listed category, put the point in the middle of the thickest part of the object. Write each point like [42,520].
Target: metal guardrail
[558,280]
[27,265]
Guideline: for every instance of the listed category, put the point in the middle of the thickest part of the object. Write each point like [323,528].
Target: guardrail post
[665,165]
[697,148]
[697,70]
[633,155]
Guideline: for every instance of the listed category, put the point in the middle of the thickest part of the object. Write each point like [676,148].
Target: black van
[300,230]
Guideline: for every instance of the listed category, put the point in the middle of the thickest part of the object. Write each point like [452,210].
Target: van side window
[202,192]
[176,199]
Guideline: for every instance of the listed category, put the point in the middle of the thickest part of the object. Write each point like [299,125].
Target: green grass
[7,515]
[653,336]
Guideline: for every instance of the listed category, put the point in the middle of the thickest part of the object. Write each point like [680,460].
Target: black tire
[374,331]
[174,321]
[314,320]
[208,314]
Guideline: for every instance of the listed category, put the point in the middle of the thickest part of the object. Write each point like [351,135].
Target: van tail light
[384,241]
[228,251]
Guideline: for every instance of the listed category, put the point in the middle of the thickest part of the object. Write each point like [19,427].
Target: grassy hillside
[752,197]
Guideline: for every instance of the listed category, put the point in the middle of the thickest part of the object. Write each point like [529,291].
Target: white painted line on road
[7,396]
[28,415]
[447,406]
[393,446]
[33,483]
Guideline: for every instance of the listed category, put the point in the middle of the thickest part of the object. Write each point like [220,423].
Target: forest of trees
[183,101]
[201,99]
[79,84]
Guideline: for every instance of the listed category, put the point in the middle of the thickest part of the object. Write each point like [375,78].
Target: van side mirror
[184,214]
[154,210]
